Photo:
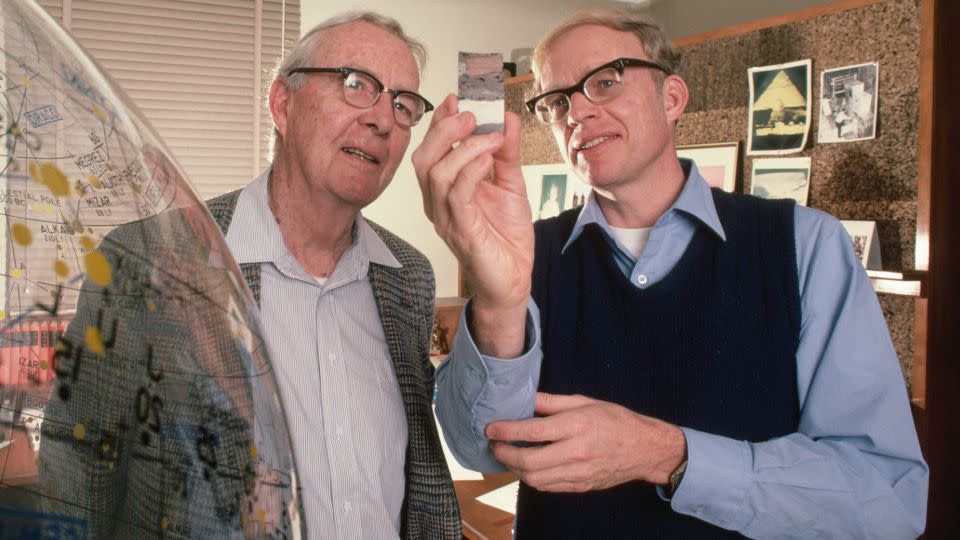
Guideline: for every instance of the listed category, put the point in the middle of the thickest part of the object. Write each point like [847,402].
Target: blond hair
[626,19]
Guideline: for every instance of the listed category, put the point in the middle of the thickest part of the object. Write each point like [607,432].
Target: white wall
[445,28]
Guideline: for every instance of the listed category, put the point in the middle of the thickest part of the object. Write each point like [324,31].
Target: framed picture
[553,188]
[718,163]
[866,242]
[779,115]
[781,178]
[848,103]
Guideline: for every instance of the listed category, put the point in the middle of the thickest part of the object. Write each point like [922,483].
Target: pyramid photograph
[780,108]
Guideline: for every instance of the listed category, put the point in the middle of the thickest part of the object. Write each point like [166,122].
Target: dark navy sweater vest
[711,347]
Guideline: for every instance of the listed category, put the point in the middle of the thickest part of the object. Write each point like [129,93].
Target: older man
[734,371]
[347,306]
[347,311]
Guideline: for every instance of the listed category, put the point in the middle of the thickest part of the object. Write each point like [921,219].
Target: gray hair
[302,52]
[625,19]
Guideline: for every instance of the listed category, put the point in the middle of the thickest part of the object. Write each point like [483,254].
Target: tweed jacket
[404,298]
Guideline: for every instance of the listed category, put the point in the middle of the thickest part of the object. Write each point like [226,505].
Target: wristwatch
[676,476]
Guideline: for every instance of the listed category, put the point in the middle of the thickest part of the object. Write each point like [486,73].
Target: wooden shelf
[911,283]
[455,303]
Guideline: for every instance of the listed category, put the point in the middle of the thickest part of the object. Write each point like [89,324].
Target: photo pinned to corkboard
[781,178]
[779,113]
[848,104]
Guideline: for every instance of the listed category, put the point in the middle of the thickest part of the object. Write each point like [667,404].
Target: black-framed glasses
[600,85]
[361,89]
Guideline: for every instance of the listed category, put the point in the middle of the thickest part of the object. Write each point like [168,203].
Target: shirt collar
[695,202]
[253,214]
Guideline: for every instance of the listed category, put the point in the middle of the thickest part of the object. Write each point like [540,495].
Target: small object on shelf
[522,59]
[866,242]
[439,344]
[446,322]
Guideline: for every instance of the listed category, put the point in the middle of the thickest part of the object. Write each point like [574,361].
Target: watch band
[676,476]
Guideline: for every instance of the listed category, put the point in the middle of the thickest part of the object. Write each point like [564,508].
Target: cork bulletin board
[872,179]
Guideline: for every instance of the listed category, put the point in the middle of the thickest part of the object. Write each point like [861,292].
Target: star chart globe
[136,395]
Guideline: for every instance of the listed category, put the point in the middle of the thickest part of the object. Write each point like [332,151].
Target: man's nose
[580,108]
[379,116]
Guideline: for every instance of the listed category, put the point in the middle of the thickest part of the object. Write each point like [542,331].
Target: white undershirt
[632,240]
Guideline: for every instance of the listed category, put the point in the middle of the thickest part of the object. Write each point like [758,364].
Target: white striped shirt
[335,375]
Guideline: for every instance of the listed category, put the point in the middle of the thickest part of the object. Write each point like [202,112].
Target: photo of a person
[848,103]
[551,202]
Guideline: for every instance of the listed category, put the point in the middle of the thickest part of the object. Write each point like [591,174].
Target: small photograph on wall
[551,189]
[781,178]
[552,192]
[779,114]
[848,103]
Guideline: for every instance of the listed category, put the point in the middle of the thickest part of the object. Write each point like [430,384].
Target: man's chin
[360,196]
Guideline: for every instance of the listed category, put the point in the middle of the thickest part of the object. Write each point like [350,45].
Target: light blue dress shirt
[853,469]
[334,373]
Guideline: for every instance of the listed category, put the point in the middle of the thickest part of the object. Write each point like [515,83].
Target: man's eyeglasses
[362,90]
[599,86]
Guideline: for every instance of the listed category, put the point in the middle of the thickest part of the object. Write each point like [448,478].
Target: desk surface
[480,521]
[18,461]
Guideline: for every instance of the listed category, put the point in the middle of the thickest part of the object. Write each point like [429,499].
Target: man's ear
[279,105]
[675,96]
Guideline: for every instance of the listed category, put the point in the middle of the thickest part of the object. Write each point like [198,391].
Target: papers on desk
[457,471]
[504,498]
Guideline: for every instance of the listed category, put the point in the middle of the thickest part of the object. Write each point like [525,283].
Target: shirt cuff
[511,385]
[476,390]
[715,484]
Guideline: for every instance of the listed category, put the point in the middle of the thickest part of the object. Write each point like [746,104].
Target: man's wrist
[498,332]
[673,455]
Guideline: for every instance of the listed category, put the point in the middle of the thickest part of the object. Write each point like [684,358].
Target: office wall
[498,26]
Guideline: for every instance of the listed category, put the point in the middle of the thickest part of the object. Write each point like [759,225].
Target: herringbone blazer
[405,300]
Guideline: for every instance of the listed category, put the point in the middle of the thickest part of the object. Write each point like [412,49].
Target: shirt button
[642,279]
[347,506]
[331,356]
[339,430]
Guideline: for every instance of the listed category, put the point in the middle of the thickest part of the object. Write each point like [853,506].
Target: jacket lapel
[222,209]
[387,283]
